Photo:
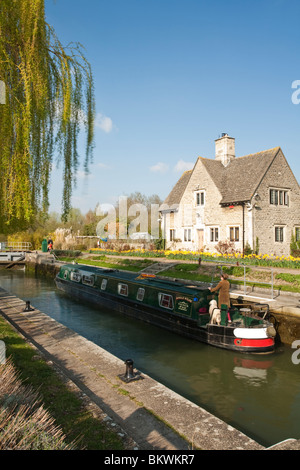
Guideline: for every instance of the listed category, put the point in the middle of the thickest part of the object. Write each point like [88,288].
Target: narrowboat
[180,307]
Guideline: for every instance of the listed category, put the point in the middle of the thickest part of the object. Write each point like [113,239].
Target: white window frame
[140,294]
[200,198]
[162,298]
[88,280]
[187,234]
[214,233]
[76,277]
[234,228]
[279,197]
[172,234]
[279,229]
[123,289]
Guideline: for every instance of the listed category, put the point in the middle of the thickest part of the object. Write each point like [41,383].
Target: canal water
[259,395]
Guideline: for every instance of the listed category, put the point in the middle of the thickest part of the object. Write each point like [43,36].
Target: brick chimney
[225,149]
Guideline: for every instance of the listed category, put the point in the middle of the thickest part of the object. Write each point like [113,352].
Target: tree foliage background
[49,97]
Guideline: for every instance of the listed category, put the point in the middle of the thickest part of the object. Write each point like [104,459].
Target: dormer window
[200,198]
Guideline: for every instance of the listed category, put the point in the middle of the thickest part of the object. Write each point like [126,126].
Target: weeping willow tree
[49,97]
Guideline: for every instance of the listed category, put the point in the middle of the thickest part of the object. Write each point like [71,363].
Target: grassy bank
[106,262]
[209,272]
[65,406]
[281,281]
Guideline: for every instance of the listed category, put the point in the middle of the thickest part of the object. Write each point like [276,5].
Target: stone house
[252,201]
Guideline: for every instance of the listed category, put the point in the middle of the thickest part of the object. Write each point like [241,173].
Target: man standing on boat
[223,288]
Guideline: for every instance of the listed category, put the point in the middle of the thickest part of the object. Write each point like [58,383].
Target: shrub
[225,247]
[24,423]
[66,253]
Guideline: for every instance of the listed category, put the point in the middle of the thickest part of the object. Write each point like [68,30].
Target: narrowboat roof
[137,277]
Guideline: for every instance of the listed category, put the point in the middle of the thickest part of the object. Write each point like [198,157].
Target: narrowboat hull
[231,337]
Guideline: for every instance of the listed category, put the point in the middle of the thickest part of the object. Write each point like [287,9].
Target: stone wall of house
[260,217]
[268,216]
[210,215]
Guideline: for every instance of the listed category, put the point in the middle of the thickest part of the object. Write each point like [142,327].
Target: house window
[214,234]
[234,234]
[278,234]
[103,284]
[200,198]
[166,301]
[187,234]
[297,234]
[123,289]
[140,294]
[172,235]
[279,197]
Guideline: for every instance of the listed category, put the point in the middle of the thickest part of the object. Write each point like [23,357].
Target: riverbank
[152,415]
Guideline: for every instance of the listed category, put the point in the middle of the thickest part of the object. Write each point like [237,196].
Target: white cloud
[182,166]
[103,166]
[159,168]
[104,123]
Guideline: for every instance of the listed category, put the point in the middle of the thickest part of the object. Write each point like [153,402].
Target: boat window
[140,294]
[66,274]
[75,277]
[165,300]
[88,280]
[123,289]
[103,284]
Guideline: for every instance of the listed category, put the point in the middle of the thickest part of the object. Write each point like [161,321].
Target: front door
[200,239]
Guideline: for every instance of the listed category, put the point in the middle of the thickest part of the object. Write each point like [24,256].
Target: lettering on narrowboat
[183,305]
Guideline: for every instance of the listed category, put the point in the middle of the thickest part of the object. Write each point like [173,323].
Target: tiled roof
[177,192]
[237,182]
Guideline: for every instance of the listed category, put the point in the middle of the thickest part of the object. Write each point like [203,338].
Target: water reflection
[260,395]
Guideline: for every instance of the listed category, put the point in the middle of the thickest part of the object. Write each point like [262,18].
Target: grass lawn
[283,281]
[106,262]
[65,406]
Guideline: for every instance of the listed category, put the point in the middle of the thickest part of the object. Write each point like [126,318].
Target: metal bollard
[129,374]
[28,308]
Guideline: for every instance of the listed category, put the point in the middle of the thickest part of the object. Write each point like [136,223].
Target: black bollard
[129,374]
[28,308]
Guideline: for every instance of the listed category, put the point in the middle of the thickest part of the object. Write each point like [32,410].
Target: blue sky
[171,76]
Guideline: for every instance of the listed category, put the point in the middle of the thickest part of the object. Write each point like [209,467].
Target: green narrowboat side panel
[175,305]
[172,296]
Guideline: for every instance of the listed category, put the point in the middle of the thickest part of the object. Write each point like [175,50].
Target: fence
[15,246]
[245,281]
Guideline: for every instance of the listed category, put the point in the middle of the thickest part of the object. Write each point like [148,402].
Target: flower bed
[235,258]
